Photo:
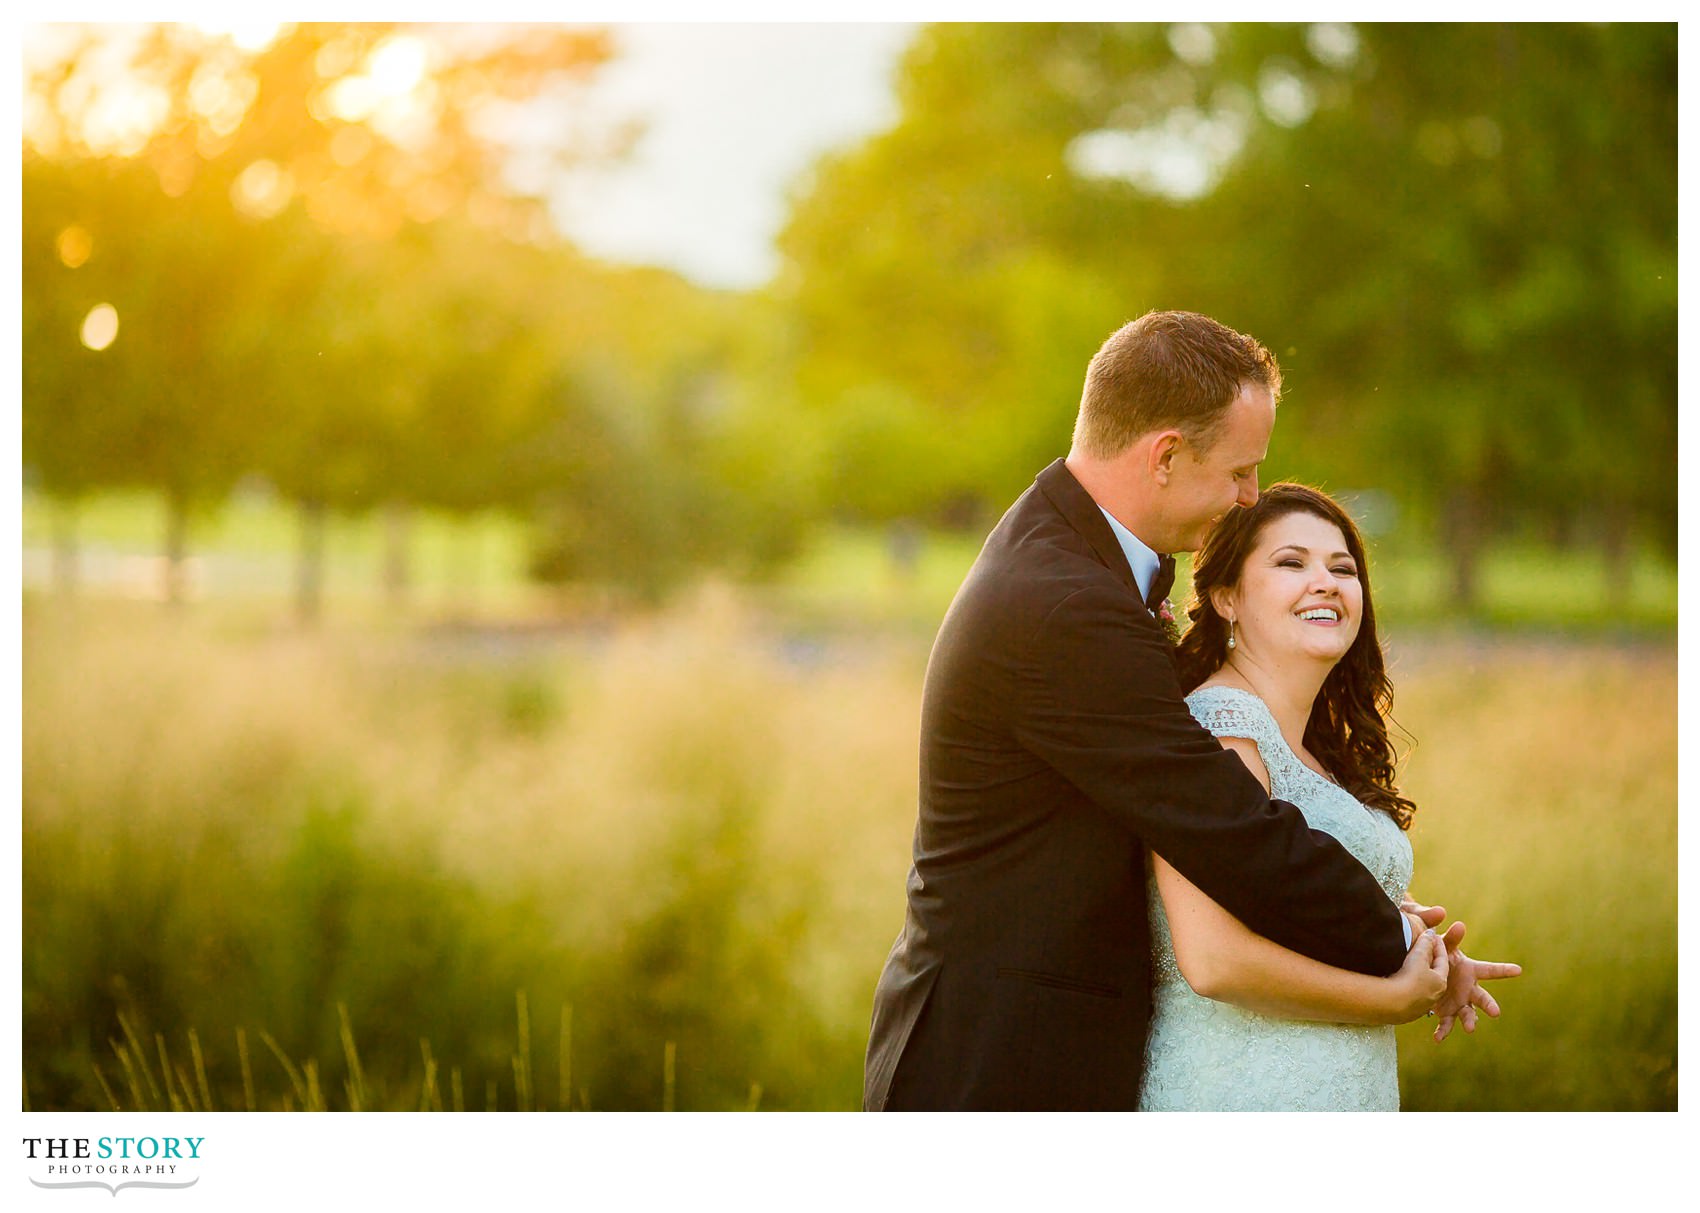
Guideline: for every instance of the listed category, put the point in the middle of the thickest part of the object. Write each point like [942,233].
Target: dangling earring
[1230,635]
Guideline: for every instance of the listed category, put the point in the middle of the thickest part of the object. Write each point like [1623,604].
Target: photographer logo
[113,1163]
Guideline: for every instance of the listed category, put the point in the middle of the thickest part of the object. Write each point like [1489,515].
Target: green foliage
[1502,198]
[1460,240]
[930,280]
[160,406]
[73,440]
[368,318]
[631,446]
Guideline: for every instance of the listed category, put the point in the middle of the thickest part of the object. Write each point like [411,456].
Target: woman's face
[1298,597]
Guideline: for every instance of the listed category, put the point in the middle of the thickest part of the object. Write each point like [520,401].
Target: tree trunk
[465,556]
[1464,529]
[175,572]
[310,563]
[903,550]
[65,548]
[1617,550]
[396,527]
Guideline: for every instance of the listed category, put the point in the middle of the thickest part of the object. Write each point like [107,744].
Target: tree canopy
[330,264]
[1460,240]
[326,259]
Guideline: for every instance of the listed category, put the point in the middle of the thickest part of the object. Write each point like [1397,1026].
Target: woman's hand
[1420,981]
[1464,991]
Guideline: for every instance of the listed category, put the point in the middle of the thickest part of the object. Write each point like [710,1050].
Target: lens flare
[100,326]
[75,246]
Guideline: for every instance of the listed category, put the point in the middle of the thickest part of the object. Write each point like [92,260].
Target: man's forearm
[1223,960]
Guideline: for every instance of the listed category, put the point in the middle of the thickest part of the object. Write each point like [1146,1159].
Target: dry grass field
[661,866]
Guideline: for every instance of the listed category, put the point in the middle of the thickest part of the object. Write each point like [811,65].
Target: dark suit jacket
[1056,748]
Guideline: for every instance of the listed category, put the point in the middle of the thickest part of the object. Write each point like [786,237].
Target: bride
[1283,665]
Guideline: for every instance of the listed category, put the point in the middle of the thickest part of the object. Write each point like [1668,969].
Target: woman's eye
[1343,571]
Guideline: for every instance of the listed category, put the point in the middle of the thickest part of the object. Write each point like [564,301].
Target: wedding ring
[1430,1012]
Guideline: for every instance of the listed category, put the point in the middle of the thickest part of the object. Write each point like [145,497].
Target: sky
[733,114]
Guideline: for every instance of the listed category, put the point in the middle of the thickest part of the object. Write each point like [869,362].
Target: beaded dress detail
[1211,1056]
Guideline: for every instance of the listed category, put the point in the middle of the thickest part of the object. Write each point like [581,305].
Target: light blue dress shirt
[1140,558]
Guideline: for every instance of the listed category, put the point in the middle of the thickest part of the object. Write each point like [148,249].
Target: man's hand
[1430,916]
[1464,992]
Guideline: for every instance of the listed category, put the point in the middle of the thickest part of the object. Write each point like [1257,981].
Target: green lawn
[848,574]
[847,577]
[247,551]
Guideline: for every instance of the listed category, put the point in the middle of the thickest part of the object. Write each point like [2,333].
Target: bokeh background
[463,671]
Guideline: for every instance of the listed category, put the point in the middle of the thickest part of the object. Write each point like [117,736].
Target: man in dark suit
[1056,749]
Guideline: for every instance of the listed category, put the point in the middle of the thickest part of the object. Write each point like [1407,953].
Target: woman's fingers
[1492,970]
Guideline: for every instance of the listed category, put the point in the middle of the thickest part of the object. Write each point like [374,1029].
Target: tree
[229,210]
[942,310]
[72,438]
[160,404]
[1502,200]
[1460,240]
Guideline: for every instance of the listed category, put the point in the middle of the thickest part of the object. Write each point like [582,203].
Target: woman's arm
[1224,960]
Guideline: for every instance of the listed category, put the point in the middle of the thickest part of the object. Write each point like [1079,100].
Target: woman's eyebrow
[1304,551]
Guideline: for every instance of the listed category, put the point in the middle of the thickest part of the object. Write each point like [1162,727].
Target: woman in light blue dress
[1284,667]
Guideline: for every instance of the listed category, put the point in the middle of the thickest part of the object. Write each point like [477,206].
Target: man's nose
[1248,490]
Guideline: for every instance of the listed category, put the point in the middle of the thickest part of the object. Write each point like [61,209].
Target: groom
[1056,749]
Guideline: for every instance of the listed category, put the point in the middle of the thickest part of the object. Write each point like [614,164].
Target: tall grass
[662,868]
[1546,780]
[676,837]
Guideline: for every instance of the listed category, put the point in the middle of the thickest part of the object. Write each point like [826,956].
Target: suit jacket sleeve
[1114,724]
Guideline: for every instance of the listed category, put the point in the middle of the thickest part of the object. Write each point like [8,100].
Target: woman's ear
[1222,602]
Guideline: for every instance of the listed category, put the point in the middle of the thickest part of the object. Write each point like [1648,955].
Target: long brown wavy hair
[1347,730]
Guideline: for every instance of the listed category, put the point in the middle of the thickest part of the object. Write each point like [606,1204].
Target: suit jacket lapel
[1076,506]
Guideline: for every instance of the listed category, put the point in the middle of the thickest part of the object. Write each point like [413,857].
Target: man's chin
[1197,541]
[1209,528]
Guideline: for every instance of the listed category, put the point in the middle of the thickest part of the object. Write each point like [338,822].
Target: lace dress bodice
[1212,1056]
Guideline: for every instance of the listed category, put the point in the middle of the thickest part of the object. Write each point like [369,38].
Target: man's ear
[1162,454]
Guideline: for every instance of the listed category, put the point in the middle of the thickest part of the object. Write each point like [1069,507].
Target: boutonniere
[1166,617]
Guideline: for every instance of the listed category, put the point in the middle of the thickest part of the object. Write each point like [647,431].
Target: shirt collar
[1141,559]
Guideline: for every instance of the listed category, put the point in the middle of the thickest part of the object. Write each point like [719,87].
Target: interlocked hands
[1464,975]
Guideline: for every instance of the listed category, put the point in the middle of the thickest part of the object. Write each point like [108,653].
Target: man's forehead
[1255,400]
[1251,419]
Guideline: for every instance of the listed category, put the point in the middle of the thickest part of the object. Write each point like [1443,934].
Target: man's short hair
[1168,370]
